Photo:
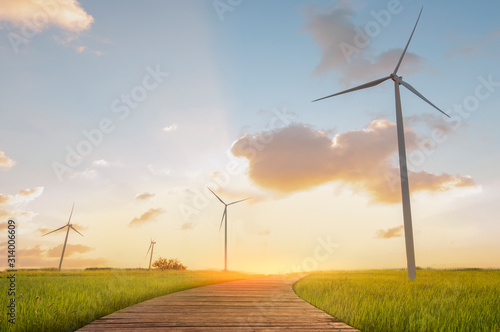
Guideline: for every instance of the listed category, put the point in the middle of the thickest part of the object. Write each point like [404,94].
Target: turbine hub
[396,78]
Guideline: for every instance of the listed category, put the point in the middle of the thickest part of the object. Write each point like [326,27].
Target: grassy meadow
[385,300]
[379,300]
[68,300]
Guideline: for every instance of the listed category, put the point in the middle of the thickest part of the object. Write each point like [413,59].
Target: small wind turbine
[224,219]
[398,80]
[151,247]
[67,233]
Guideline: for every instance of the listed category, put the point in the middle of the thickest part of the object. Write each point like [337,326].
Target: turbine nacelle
[396,78]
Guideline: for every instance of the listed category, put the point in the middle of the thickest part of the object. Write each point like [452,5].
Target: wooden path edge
[261,304]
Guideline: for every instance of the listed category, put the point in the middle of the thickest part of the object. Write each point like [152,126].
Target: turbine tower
[398,80]
[67,233]
[224,219]
[151,247]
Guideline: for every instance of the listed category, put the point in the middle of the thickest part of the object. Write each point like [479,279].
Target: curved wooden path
[263,304]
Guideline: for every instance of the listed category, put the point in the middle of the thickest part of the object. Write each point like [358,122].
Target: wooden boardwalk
[263,304]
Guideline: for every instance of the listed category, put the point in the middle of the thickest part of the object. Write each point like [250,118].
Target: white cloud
[87,173]
[100,162]
[22,197]
[172,127]
[154,171]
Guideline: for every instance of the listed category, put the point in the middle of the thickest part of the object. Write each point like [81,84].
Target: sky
[130,110]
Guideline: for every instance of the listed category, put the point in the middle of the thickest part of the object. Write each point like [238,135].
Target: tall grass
[68,300]
[449,300]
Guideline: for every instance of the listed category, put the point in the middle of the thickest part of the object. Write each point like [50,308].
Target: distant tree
[168,264]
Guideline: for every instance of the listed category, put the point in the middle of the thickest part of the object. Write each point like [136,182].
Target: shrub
[168,264]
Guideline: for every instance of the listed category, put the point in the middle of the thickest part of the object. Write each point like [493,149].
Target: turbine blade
[55,230]
[404,51]
[359,87]
[75,230]
[241,200]
[412,89]
[217,196]
[150,245]
[71,213]
[222,220]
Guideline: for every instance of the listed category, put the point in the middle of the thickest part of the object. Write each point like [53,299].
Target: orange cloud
[38,257]
[147,216]
[297,157]
[187,225]
[68,14]
[6,161]
[71,249]
[4,199]
[28,192]
[390,232]
[5,213]
[44,230]
[144,196]
[23,196]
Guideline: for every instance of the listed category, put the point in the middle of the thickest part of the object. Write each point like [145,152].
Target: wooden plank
[268,304]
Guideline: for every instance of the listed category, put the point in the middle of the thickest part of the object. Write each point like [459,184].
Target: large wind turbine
[224,219]
[67,233]
[398,80]
[151,247]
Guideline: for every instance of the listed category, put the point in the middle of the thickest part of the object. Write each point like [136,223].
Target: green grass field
[385,300]
[381,300]
[68,300]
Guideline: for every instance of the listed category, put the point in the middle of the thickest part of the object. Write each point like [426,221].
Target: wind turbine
[224,219]
[398,80]
[151,247]
[67,233]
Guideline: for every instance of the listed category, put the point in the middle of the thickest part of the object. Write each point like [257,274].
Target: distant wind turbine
[151,247]
[67,233]
[398,80]
[224,219]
